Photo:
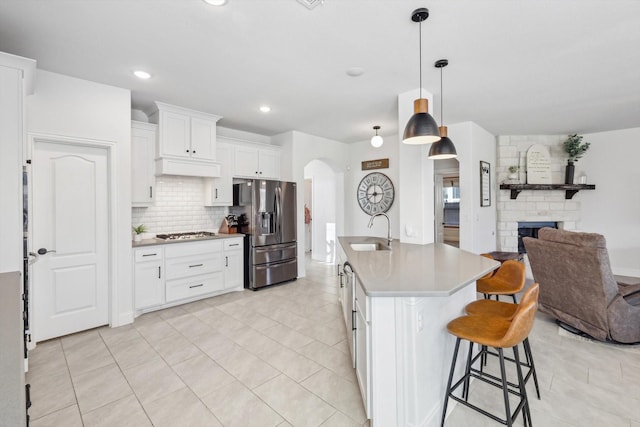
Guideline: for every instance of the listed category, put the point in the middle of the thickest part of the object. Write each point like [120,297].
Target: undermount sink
[369,247]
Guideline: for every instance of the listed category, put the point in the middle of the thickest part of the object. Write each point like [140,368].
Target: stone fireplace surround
[532,206]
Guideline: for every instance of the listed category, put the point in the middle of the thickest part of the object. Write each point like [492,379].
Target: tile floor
[278,357]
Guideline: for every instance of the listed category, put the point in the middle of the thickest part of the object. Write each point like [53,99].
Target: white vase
[137,237]
[513,176]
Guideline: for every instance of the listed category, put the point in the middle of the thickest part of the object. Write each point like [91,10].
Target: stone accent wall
[179,207]
[532,205]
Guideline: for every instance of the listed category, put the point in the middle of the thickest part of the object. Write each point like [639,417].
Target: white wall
[324,204]
[477,224]
[67,106]
[298,149]
[613,208]
[355,219]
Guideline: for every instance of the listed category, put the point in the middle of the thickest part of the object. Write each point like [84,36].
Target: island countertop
[409,270]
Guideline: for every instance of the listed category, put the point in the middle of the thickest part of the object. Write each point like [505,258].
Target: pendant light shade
[444,148]
[376,140]
[421,127]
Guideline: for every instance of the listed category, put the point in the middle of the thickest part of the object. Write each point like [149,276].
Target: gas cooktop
[185,236]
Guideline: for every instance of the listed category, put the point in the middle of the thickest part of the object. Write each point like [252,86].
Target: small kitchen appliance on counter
[267,213]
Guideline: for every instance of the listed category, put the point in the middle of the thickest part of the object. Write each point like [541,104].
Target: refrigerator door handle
[278,214]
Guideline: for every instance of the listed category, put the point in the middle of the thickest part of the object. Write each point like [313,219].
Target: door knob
[43,251]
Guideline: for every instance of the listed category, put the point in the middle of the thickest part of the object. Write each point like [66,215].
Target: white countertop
[408,270]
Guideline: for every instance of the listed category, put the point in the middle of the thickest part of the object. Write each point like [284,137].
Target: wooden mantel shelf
[570,189]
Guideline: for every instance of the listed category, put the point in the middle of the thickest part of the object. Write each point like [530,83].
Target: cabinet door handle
[150,192]
[196,286]
[149,255]
[159,276]
[187,150]
[256,172]
[260,172]
[353,320]
[234,244]
[216,193]
[226,261]
[195,265]
[194,151]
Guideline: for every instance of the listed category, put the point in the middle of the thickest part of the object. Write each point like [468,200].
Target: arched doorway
[324,193]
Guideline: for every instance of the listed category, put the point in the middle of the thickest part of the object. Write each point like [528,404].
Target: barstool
[486,307]
[499,333]
[507,280]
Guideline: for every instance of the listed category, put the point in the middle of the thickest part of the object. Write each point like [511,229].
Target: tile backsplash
[178,207]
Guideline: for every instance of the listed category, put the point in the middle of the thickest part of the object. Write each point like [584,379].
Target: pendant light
[443,149]
[421,127]
[376,140]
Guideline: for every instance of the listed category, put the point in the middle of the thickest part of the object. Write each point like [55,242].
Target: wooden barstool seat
[499,333]
[505,310]
[509,279]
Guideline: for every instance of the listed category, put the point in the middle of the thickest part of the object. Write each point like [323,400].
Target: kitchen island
[403,297]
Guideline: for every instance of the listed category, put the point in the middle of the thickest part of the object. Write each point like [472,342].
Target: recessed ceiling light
[216,2]
[355,71]
[142,74]
[265,108]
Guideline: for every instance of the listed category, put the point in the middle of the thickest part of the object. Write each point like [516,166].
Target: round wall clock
[375,193]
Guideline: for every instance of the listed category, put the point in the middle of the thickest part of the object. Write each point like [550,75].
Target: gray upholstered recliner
[578,287]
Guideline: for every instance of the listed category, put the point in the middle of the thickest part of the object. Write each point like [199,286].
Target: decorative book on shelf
[569,189]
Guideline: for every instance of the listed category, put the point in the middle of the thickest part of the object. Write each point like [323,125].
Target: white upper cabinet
[186,141]
[219,191]
[257,162]
[143,149]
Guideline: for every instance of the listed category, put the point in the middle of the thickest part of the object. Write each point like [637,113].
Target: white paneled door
[71,223]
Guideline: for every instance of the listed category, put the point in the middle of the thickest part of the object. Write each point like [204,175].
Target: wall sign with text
[375,164]
[485,184]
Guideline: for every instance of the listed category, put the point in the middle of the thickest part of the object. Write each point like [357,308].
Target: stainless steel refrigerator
[270,210]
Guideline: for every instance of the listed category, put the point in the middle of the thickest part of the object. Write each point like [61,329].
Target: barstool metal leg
[465,388]
[505,388]
[527,349]
[448,392]
[526,414]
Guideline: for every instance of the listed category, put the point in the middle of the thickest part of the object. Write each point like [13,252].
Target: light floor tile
[48,359]
[329,357]
[287,336]
[99,387]
[296,404]
[50,393]
[215,345]
[293,364]
[340,420]
[341,394]
[247,368]
[126,412]
[236,406]
[202,375]
[65,417]
[175,349]
[153,380]
[180,408]
[87,356]
[132,353]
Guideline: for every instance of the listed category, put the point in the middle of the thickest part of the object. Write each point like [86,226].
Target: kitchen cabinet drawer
[192,248]
[190,287]
[153,253]
[193,265]
[232,244]
[363,302]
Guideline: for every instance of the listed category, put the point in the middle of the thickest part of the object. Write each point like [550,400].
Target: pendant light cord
[420,46]
[441,101]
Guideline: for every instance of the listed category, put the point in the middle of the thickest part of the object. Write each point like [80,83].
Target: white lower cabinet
[363,347]
[148,277]
[168,274]
[233,264]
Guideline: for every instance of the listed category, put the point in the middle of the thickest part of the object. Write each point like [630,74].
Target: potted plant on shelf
[138,232]
[575,148]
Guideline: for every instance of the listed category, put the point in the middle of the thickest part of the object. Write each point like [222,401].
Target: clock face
[375,193]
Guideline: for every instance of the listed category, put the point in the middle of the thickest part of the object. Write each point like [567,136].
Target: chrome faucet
[388,225]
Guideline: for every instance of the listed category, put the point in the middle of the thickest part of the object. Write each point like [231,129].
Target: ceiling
[516,67]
